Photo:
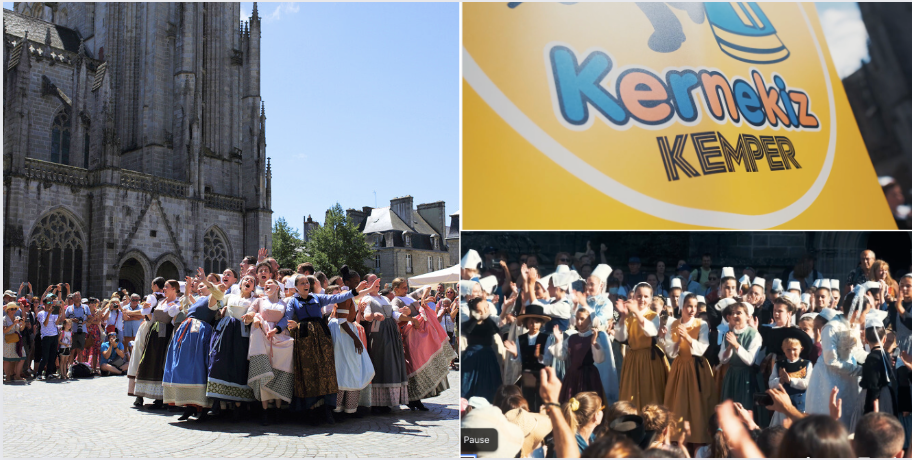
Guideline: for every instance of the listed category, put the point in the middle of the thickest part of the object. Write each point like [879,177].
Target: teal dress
[740,381]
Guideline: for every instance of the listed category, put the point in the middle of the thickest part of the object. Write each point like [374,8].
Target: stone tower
[134,143]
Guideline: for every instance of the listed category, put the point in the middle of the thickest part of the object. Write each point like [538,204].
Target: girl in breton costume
[270,375]
[529,350]
[187,362]
[793,373]
[481,375]
[645,370]
[314,358]
[427,349]
[607,316]
[580,351]
[690,393]
[390,384]
[878,379]
[838,364]
[228,365]
[354,369]
[139,346]
[603,319]
[152,365]
[740,348]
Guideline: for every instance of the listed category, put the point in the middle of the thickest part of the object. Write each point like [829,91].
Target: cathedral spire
[254,16]
[262,109]
[47,37]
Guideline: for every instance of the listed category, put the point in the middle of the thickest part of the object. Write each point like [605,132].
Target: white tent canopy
[447,275]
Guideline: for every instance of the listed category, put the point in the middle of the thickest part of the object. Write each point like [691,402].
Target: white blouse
[746,354]
[697,347]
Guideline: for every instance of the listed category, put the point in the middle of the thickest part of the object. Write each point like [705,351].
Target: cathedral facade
[133,143]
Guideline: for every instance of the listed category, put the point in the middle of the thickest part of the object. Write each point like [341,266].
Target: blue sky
[360,98]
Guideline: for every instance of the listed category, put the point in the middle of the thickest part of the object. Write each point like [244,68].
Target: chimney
[402,206]
[454,224]
[433,213]
[309,225]
[356,216]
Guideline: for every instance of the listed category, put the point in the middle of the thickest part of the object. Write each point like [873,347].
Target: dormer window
[408,240]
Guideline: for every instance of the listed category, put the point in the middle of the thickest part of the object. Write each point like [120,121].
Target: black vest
[527,352]
[792,368]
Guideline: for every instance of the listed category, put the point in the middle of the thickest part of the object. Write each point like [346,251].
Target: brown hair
[816,436]
[513,402]
[882,264]
[398,282]
[612,412]
[718,448]
[589,404]
[503,392]
[784,300]
[612,446]
[272,272]
[656,417]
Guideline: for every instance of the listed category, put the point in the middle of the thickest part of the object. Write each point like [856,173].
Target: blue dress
[314,358]
[187,362]
[228,348]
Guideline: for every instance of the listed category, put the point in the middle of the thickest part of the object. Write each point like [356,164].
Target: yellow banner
[655,116]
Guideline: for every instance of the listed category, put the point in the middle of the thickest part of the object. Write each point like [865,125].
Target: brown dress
[691,391]
[645,368]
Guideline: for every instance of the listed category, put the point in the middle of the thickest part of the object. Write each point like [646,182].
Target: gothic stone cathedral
[133,143]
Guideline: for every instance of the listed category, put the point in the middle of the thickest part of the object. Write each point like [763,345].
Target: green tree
[286,244]
[338,242]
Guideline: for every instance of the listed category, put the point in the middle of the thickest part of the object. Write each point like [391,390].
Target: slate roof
[385,219]
[61,37]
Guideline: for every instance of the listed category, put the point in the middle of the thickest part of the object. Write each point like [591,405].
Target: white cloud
[847,39]
[281,9]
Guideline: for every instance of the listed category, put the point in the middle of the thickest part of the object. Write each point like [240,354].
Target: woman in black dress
[480,368]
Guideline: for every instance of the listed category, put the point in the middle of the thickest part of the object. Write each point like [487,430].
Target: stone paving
[95,418]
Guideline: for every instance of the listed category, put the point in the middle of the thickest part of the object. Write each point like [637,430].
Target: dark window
[60,138]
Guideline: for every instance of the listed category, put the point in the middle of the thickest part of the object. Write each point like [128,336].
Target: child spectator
[877,376]
[793,373]
[66,343]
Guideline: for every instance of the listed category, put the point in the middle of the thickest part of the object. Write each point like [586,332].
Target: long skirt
[152,365]
[581,379]
[480,372]
[739,385]
[691,395]
[353,371]
[228,367]
[139,348]
[643,377]
[314,364]
[187,365]
[609,371]
[14,352]
[271,375]
[390,384]
[427,359]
